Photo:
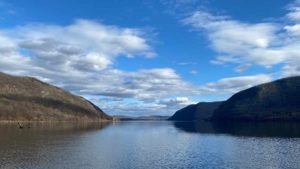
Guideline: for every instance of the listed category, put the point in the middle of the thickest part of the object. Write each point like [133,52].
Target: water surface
[150,145]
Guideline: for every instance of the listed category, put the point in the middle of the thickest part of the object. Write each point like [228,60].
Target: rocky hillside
[26,98]
[278,100]
[200,111]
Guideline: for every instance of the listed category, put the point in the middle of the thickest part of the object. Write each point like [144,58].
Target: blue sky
[143,57]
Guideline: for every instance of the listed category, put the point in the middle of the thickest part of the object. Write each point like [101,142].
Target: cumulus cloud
[80,58]
[166,101]
[84,45]
[160,107]
[146,85]
[165,106]
[235,84]
[244,44]
[177,102]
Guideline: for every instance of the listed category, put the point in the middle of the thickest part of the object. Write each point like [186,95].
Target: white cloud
[241,68]
[294,11]
[240,43]
[235,84]
[165,106]
[294,30]
[84,45]
[156,100]
[235,40]
[291,70]
[146,85]
[294,15]
[149,91]
[177,102]
[80,58]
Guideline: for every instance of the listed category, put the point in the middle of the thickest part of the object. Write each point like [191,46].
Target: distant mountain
[200,111]
[141,118]
[278,100]
[26,98]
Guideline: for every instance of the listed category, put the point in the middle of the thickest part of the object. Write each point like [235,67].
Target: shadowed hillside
[278,100]
[200,111]
[26,98]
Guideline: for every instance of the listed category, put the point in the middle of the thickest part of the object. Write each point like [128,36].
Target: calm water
[150,145]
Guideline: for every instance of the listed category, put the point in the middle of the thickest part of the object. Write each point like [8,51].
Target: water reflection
[257,129]
[39,144]
[142,145]
[51,126]
[11,133]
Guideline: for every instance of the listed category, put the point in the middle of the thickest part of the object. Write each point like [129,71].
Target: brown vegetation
[28,99]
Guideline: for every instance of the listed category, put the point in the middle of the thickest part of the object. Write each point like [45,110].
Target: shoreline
[55,121]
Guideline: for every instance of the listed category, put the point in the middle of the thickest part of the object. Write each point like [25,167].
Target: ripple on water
[147,145]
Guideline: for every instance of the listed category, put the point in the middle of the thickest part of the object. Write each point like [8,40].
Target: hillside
[200,111]
[278,100]
[26,98]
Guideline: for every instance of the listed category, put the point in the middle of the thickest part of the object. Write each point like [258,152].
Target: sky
[150,57]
